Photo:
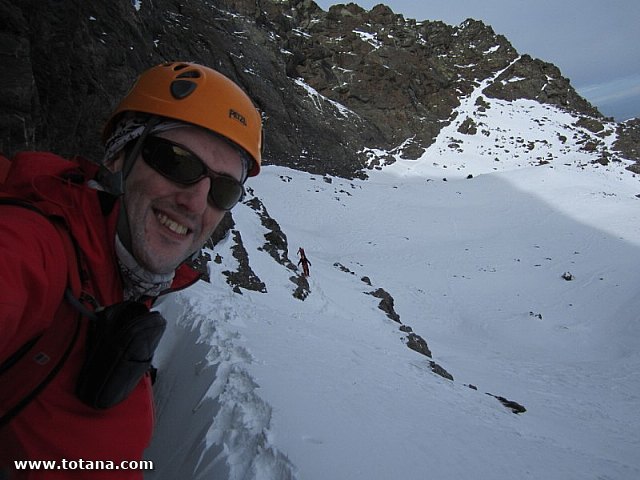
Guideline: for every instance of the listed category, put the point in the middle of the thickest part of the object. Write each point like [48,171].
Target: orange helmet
[198,95]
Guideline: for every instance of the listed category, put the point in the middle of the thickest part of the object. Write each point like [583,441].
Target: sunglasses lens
[225,192]
[181,166]
[172,161]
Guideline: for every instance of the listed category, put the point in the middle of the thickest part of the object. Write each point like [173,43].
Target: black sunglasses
[181,166]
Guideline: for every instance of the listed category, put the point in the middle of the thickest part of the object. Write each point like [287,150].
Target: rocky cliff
[334,86]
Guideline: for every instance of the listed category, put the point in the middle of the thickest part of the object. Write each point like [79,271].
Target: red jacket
[56,425]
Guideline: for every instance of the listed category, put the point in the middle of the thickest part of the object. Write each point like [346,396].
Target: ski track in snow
[264,386]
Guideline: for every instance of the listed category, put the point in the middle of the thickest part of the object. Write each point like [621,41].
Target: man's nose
[194,197]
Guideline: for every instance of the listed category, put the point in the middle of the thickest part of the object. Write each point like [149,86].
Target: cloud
[603,95]
[614,92]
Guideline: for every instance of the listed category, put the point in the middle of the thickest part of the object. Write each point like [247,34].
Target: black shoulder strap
[30,369]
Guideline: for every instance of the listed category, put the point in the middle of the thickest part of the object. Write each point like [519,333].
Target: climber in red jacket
[305,262]
[179,148]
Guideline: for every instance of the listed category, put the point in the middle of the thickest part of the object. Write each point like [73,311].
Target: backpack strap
[30,369]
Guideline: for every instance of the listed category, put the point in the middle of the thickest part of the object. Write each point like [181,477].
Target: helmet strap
[130,157]
[131,154]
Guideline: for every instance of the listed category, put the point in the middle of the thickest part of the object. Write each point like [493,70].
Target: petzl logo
[235,115]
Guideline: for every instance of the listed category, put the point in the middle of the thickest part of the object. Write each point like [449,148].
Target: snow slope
[266,386]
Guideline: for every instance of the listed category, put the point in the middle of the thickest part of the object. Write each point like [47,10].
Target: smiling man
[170,220]
[86,250]
[184,140]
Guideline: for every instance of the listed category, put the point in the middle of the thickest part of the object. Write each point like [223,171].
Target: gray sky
[595,43]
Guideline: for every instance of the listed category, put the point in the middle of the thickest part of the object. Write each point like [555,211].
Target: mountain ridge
[332,85]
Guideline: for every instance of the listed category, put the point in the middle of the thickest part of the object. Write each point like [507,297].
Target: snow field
[265,386]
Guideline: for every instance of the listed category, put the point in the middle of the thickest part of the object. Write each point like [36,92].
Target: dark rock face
[629,142]
[70,62]
[331,84]
[19,101]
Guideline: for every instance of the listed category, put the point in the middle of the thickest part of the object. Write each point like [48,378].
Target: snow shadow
[184,416]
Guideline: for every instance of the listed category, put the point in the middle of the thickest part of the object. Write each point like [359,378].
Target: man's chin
[159,264]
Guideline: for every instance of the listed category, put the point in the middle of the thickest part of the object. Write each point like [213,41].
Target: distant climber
[305,262]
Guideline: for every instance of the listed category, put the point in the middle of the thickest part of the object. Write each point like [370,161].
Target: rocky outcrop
[534,79]
[628,143]
[243,276]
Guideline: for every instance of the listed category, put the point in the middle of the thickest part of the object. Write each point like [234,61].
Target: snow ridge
[228,424]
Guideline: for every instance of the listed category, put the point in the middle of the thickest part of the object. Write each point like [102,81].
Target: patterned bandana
[138,281]
[131,128]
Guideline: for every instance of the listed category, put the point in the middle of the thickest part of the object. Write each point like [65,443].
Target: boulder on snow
[568,276]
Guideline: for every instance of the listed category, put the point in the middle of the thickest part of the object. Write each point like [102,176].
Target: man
[178,149]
